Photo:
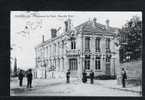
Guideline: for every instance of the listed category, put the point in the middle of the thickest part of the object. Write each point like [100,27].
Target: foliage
[15,67]
[105,77]
[131,40]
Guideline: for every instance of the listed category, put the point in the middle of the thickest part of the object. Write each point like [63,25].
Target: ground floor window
[59,64]
[97,63]
[87,62]
[73,64]
[55,63]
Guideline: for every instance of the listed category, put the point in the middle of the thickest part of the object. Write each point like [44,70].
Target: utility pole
[114,69]
[45,69]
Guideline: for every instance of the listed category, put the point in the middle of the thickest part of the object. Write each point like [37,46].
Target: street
[59,87]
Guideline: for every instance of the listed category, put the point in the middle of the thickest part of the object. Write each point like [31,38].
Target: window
[62,47]
[54,49]
[97,63]
[47,51]
[58,47]
[50,51]
[63,64]
[108,43]
[58,65]
[87,43]
[97,44]
[41,52]
[108,59]
[62,44]
[87,62]
[73,44]
[73,64]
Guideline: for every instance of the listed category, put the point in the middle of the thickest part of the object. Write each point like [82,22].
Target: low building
[88,46]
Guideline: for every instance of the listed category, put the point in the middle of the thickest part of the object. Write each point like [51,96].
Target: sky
[27,28]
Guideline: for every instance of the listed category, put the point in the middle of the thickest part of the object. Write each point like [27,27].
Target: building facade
[88,46]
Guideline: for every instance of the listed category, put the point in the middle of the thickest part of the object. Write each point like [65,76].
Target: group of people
[29,78]
[84,78]
[91,75]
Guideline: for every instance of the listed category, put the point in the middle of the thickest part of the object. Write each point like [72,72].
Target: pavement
[59,87]
[113,84]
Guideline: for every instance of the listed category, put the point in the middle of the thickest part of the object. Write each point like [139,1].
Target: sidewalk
[55,85]
[113,85]
[58,87]
[35,83]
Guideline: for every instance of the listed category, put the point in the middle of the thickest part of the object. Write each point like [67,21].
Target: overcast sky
[27,29]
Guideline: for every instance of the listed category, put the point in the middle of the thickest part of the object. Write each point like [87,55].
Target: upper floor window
[50,48]
[62,44]
[107,43]
[54,49]
[87,43]
[73,44]
[108,59]
[41,50]
[58,47]
[47,50]
[97,44]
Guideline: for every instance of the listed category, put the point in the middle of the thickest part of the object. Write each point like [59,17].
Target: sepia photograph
[76,53]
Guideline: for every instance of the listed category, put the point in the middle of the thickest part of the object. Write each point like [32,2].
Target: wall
[133,69]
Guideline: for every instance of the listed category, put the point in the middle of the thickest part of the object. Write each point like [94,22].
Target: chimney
[107,24]
[67,25]
[53,33]
[94,21]
[42,38]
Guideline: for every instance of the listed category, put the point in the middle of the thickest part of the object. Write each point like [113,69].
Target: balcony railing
[108,50]
[87,50]
[98,50]
[72,52]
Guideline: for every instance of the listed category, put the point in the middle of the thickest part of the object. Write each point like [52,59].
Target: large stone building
[89,46]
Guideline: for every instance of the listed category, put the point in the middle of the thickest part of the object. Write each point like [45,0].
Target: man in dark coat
[84,79]
[92,77]
[29,78]
[20,76]
[124,77]
[68,76]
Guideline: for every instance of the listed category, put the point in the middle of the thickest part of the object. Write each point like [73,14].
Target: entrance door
[108,69]
[73,66]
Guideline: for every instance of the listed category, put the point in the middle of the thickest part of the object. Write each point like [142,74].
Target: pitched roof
[89,25]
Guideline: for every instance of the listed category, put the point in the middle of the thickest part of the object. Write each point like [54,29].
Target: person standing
[124,77]
[29,78]
[20,76]
[92,77]
[68,76]
[84,79]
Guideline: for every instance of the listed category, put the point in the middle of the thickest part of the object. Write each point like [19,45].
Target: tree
[131,39]
[15,67]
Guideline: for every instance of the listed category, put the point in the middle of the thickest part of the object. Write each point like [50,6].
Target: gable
[89,27]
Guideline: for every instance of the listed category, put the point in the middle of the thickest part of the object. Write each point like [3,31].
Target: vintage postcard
[76,53]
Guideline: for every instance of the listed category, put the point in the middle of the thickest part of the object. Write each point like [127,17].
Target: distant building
[89,46]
